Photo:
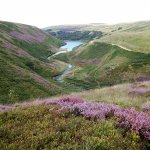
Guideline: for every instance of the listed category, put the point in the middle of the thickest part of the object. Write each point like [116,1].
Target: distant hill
[134,35]
[75,27]
[73,32]
[25,72]
[136,26]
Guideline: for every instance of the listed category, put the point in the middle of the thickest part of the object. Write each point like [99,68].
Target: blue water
[70,45]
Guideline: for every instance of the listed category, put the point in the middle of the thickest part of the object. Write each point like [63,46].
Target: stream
[67,48]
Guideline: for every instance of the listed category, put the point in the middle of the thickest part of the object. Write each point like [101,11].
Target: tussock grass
[117,94]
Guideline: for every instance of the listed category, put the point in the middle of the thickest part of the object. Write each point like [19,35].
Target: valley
[75,87]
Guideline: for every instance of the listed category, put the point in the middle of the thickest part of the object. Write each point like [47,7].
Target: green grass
[135,41]
[44,127]
[134,36]
[16,86]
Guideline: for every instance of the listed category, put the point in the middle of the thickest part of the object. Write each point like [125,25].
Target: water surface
[70,45]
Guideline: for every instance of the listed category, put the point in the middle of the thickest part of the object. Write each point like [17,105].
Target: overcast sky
[43,13]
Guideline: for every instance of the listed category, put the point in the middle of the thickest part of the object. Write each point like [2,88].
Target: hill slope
[134,36]
[24,67]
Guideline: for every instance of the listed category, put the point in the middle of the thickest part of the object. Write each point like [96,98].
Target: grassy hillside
[99,64]
[132,39]
[28,38]
[25,70]
[134,35]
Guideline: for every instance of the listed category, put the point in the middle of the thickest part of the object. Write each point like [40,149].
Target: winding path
[122,47]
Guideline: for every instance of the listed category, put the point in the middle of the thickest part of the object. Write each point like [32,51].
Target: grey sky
[44,13]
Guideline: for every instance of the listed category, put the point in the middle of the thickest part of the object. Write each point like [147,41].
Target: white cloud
[43,13]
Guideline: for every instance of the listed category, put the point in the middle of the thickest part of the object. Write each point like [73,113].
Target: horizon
[108,24]
[67,12]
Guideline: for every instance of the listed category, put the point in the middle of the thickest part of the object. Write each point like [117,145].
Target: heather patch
[127,118]
[146,107]
[130,119]
[49,127]
[5,108]
[139,91]
[143,78]
[7,45]
[28,37]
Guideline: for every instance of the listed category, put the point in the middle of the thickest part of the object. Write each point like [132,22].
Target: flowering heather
[4,108]
[7,45]
[143,78]
[130,119]
[28,37]
[139,91]
[146,108]
[93,110]
[133,120]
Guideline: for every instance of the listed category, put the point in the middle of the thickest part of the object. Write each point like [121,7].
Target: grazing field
[137,41]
